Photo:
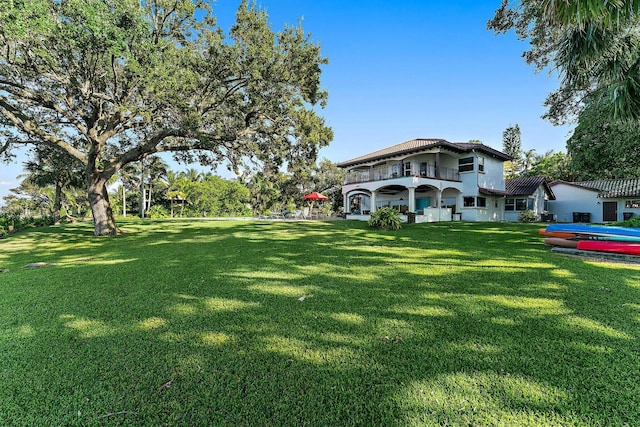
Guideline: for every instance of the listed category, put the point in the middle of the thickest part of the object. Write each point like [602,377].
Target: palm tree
[156,170]
[192,175]
[599,50]
[174,184]
[129,179]
[591,43]
[52,166]
[528,159]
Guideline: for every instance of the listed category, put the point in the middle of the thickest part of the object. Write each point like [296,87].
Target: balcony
[399,170]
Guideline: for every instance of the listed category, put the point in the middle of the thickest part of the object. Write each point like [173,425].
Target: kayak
[558,241]
[610,237]
[561,234]
[628,248]
[615,233]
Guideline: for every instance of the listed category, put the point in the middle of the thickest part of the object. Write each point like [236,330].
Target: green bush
[527,216]
[632,223]
[158,211]
[386,218]
[42,221]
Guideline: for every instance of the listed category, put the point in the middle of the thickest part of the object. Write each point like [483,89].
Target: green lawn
[313,323]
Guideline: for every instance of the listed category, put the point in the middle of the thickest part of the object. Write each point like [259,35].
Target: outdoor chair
[277,216]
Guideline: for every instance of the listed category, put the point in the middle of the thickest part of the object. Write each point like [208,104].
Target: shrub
[527,216]
[386,218]
[42,221]
[158,211]
[633,223]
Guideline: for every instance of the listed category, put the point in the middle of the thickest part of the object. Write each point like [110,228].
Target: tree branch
[28,126]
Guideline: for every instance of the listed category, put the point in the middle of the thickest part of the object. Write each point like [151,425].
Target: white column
[412,199]
[439,204]
[346,204]
[373,201]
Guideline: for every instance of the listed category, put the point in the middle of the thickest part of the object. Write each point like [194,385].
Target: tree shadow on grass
[316,324]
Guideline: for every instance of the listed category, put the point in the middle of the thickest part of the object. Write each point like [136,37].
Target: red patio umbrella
[315,196]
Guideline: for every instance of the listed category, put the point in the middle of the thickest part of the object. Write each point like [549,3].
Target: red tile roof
[526,186]
[421,144]
[610,188]
[493,192]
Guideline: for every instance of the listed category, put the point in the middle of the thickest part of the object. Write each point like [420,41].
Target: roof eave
[440,144]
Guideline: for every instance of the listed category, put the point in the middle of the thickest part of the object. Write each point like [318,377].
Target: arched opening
[393,196]
[359,202]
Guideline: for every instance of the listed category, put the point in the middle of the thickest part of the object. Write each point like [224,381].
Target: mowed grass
[313,323]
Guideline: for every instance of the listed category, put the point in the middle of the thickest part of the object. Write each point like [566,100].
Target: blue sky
[408,69]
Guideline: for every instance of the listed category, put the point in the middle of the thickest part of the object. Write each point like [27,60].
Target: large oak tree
[112,81]
[604,148]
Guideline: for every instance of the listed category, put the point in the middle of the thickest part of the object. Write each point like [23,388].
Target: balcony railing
[399,170]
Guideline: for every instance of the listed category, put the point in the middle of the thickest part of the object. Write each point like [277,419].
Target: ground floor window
[632,204]
[474,202]
[518,204]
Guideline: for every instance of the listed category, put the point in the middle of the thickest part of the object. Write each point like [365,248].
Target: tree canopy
[512,145]
[604,148]
[512,141]
[593,44]
[552,166]
[113,81]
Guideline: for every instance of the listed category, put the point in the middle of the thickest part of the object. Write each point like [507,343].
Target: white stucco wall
[493,175]
[538,205]
[571,199]
[489,213]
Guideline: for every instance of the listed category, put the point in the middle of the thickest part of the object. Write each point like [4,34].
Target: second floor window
[465,164]
[480,164]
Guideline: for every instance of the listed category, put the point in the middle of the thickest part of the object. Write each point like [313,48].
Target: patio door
[610,211]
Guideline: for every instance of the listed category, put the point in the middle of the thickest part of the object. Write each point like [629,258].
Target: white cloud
[5,183]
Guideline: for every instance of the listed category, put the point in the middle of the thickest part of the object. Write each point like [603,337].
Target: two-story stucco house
[434,179]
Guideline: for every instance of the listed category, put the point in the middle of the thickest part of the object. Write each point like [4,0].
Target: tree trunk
[143,201]
[149,198]
[124,202]
[57,203]
[103,221]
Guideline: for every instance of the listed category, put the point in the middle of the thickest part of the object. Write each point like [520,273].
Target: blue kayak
[595,230]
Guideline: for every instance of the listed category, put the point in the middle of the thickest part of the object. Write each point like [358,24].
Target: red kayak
[628,248]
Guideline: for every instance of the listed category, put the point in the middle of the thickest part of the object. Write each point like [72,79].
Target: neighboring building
[596,201]
[434,179]
[530,193]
